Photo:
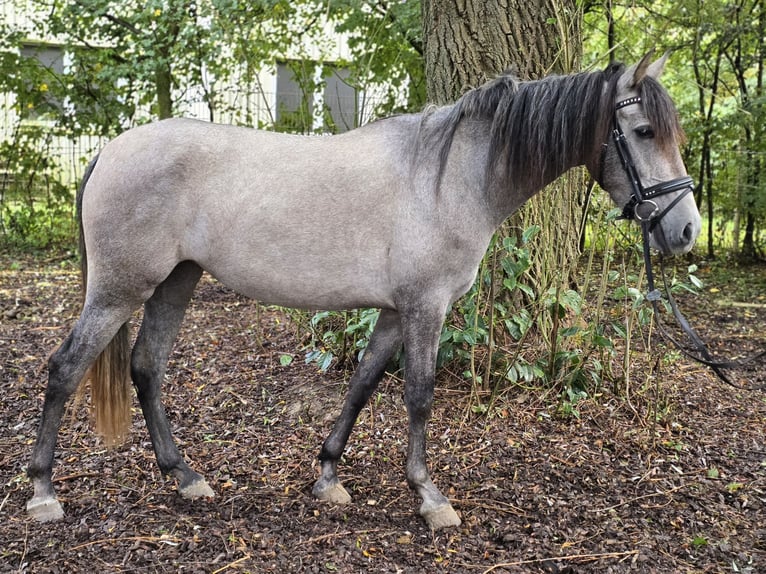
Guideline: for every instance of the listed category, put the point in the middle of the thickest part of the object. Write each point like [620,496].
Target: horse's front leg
[385,340]
[421,340]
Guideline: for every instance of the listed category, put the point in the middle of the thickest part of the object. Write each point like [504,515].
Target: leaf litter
[610,491]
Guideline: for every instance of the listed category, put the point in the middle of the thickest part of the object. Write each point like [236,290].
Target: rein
[642,207]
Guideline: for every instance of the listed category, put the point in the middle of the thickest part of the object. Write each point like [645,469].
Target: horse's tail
[110,374]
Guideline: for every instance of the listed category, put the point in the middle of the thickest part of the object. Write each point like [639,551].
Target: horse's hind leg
[420,331]
[67,366]
[163,314]
[386,339]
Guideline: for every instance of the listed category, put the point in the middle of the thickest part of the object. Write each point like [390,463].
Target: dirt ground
[609,491]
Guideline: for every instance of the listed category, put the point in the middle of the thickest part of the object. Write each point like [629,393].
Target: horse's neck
[508,192]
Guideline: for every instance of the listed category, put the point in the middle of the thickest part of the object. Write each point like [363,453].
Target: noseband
[641,205]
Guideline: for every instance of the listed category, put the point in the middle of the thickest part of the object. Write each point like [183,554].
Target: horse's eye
[644,132]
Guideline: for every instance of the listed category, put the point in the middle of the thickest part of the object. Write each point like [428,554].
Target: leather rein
[642,207]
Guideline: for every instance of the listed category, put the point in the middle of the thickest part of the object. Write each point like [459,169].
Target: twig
[323,537]
[563,558]
[724,303]
[4,501]
[643,496]
[152,539]
[232,564]
[76,476]
[495,505]
[26,546]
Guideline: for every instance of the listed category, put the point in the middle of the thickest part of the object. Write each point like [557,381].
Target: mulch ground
[666,475]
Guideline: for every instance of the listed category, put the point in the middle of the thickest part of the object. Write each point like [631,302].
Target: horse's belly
[306,289]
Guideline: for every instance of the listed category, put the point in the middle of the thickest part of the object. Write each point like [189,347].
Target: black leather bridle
[643,197]
[642,208]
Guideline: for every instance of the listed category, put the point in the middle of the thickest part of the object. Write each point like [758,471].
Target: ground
[666,475]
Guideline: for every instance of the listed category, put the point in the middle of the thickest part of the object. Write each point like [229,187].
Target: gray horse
[395,215]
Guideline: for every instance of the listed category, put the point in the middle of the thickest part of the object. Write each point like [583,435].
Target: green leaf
[734,487]
[699,541]
[570,331]
[529,233]
[603,342]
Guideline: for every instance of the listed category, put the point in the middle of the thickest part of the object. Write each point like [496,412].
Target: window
[294,99]
[340,102]
[302,89]
[49,61]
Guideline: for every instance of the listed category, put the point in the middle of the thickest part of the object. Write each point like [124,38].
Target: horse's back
[295,220]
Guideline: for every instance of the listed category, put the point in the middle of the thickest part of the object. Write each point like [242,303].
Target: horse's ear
[655,68]
[648,68]
[642,68]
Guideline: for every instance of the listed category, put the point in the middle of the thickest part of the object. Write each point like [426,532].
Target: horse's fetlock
[417,478]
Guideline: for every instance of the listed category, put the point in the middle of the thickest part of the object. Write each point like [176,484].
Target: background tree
[468,43]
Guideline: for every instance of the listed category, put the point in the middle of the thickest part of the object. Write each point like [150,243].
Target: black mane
[540,128]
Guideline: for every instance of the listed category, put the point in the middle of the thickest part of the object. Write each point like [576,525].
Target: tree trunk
[163,72]
[468,42]
[707,94]
[164,84]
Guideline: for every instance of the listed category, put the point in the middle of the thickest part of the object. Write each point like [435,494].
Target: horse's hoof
[334,493]
[442,516]
[45,509]
[197,489]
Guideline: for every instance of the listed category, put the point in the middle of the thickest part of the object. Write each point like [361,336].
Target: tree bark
[163,74]
[468,42]
[164,85]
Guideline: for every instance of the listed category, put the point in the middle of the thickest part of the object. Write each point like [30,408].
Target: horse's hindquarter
[297,221]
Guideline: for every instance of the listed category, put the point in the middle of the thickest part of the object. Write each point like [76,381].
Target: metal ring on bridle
[652,215]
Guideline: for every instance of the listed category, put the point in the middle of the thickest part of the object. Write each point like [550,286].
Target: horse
[412,202]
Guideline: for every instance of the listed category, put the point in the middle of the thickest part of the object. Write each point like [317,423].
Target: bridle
[643,197]
[642,208]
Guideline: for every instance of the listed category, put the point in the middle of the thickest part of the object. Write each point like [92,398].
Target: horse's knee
[142,375]
[419,395]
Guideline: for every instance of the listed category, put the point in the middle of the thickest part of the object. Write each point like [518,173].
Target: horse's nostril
[688,233]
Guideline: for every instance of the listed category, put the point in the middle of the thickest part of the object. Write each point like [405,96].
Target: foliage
[386,48]
[338,338]
[36,209]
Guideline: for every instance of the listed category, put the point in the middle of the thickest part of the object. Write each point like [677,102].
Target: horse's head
[641,166]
